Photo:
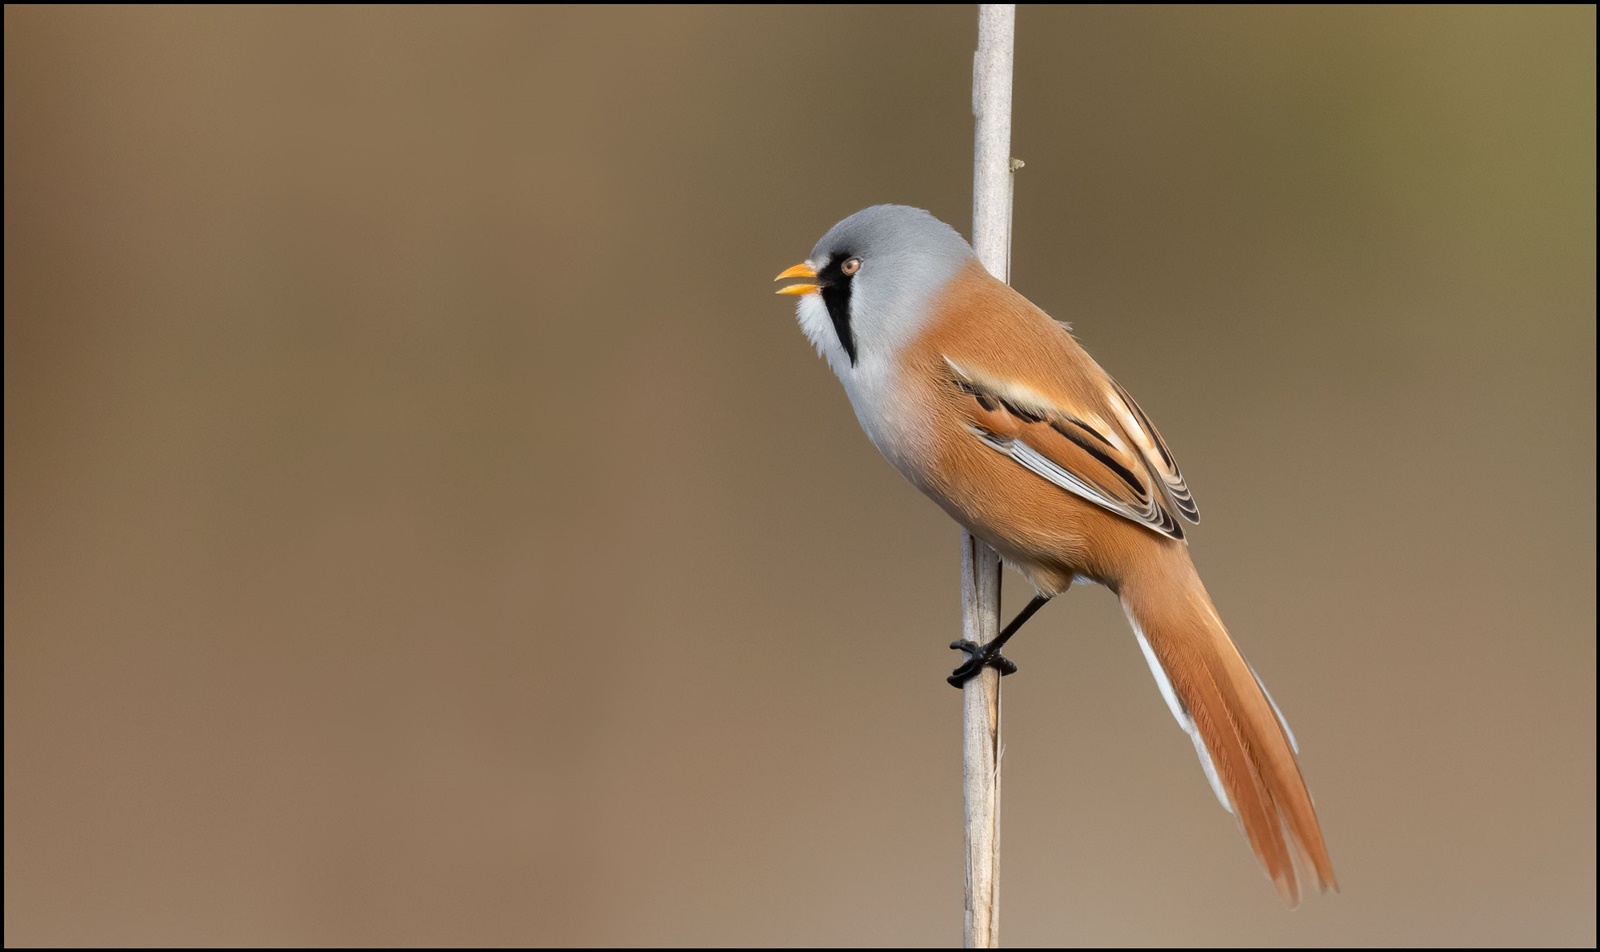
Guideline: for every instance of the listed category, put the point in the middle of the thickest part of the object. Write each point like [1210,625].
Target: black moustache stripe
[836,295]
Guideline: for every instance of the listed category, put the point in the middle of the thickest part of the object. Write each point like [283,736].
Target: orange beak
[801,270]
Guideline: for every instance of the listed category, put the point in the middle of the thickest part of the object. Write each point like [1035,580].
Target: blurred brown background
[424,525]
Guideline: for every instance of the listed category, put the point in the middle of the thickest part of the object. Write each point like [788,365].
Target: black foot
[981,655]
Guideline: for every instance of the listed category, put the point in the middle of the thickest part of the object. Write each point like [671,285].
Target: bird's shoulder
[987,327]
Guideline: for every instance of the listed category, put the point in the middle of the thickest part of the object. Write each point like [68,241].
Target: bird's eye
[851,266]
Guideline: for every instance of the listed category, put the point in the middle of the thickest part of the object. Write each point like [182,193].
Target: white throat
[818,327]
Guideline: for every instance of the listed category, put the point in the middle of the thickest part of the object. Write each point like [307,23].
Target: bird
[991,408]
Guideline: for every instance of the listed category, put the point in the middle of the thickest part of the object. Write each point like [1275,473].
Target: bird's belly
[1045,532]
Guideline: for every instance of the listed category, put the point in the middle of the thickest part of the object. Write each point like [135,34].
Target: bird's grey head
[873,276]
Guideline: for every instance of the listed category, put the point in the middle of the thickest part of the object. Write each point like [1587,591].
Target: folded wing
[1103,450]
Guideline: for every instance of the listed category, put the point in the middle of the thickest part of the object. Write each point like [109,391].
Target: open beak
[801,270]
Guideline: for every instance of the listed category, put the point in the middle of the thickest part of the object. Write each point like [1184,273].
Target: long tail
[1245,746]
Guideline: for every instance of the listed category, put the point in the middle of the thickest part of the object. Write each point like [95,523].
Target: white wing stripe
[1151,515]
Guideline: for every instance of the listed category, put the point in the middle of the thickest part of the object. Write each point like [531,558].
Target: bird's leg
[989,654]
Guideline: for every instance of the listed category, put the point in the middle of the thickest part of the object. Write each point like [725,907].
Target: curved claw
[981,656]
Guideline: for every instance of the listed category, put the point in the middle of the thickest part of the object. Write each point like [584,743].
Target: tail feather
[1245,745]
